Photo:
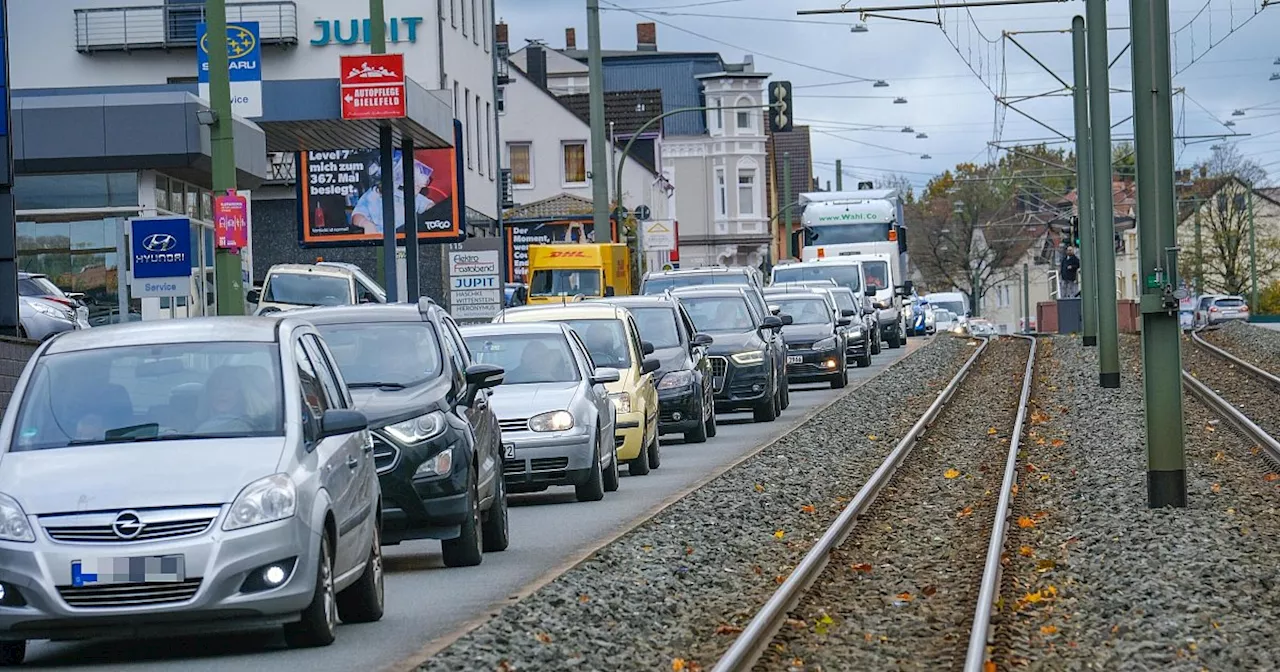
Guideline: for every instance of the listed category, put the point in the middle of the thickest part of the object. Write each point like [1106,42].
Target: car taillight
[1244,309]
[1213,309]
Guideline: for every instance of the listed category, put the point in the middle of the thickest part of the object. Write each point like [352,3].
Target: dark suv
[437,445]
[748,357]
[816,338]
[657,282]
[686,387]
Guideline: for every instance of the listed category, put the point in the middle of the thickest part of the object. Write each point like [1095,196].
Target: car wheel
[699,433]
[640,465]
[777,399]
[13,653]
[841,380]
[712,425]
[766,410]
[865,360]
[593,489]
[466,550]
[496,531]
[319,623]
[611,473]
[875,344]
[786,395]
[895,341]
[655,452]
[363,601]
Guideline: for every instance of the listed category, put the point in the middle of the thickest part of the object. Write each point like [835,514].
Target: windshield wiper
[383,386]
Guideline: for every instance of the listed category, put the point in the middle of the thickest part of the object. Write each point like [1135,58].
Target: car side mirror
[908,288]
[646,347]
[870,291]
[786,319]
[604,376]
[848,313]
[702,340]
[254,296]
[340,421]
[485,376]
[650,365]
[844,322]
[771,322]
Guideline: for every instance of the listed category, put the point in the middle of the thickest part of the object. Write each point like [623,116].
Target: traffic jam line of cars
[271,458]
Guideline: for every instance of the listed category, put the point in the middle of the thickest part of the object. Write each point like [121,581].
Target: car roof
[570,311]
[645,301]
[702,270]
[846,261]
[710,290]
[186,330]
[336,271]
[798,295]
[365,312]
[500,328]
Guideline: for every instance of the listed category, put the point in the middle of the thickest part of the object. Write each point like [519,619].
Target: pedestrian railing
[1055,285]
[173,26]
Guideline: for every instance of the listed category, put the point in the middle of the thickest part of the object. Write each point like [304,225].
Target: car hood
[672,359]
[806,332]
[526,401]
[157,474]
[731,343]
[387,407]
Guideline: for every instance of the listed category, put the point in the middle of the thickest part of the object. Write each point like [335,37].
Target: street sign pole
[386,147]
[1084,189]
[786,197]
[226,262]
[9,316]
[1103,209]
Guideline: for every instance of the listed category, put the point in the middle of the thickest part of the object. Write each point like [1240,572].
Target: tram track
[1241,393]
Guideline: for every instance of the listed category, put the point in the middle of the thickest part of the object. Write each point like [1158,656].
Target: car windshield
[606,341]
[151,393]
[805,311]
[723,314]
[845,275]
[38,286]
[557,282]
[661,284]
[307,289]
[528,359]
[384,354]
[877,273]
[956,307]
[658,326]
[844,301]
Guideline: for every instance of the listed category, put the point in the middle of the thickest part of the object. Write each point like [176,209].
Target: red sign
[373,86]
[231,221]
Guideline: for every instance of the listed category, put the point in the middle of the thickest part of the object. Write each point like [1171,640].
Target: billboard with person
[340,196]
[521,234]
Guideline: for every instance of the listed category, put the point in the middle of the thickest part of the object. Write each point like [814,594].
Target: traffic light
[781,118]
[1075,231]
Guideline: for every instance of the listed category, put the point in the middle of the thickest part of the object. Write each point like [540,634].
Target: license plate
[508,451]
[107,571]
[794,359]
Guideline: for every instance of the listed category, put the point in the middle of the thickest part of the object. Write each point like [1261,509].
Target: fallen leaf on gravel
[1270,477]
[965,512]
[1025,522]
[1026,551]
[726,629]
[504,666]
[905,597]
[757,569]
[823,624]
[807,508]
[797,623]
[543,637]
[929,591]
[864,567]
[1030,467]
[1039,418]
[1231,511]
[991,431]
[1039,515]
[646,548]
[1219,456]
[1048,629]
[1255,450]
[872,437]
[1058,443]
[1014,489]
[1216,487]
[779,534]
[988,667]
[584,598]
[759,488]
[1044,478]
[951,473]
[1045,565]
[678,665]
[1041,442]
[779,579]
[1210,428]
[688,550]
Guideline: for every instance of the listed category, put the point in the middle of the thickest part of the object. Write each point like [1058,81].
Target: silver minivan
[185,476]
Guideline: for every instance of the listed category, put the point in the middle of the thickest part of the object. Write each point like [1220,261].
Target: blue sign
[244,52]
[161,247]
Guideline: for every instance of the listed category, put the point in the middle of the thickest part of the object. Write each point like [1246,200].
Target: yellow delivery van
[563,272]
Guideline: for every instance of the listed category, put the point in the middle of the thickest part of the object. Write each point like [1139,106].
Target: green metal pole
[1199,250]
[386,153]
[1253,259]
[599,158]
[222,148]
[1104,217]
[1084,188]
[1157,252]
[1026,298]
[839,175]
[786,199]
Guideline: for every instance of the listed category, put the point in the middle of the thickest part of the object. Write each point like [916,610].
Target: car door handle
[352,462]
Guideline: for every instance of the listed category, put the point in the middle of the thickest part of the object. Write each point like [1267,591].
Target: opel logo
[127,525]
[159,242]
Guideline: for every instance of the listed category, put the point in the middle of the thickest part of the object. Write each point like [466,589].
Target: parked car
[164,477]
[558,423]
[759,308]
[39,319]
[744,354]
[39,286]
[613,340]
[686,388]
[1226,309]
[296,286]
[436,441]
[816,341]
[945,320]
[862,337]
[657,282]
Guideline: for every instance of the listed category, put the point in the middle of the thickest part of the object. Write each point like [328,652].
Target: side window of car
[635,339]
[582,349]
[313,398]
[456,351]
[330,378]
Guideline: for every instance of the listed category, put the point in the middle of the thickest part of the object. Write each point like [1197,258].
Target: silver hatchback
[186,476]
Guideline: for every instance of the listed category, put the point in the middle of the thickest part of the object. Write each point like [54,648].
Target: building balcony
[174,26]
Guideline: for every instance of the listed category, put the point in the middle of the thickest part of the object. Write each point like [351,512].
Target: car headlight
[621,401]
[676,380]
[440,465]
[13,521]
[50,311]
[748,358]
[554,421]
[828,343]
[417,430]
[265,501]
[855,332]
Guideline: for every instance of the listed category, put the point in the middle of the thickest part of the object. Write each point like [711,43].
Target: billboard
[340,196]
[519,236]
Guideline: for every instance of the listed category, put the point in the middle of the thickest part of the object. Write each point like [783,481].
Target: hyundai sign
[160,249]
[244,60]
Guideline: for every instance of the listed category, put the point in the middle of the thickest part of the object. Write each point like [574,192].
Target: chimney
[500,35]
[536,65]
[570,38]
[646,37]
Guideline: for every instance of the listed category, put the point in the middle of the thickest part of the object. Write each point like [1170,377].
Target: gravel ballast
[900,592]
[676,587]
[1252,396]
[1099,581]
[1256,345]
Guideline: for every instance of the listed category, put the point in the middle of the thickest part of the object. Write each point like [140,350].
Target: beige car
[295,286]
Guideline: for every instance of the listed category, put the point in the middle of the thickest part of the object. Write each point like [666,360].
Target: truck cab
[561,272]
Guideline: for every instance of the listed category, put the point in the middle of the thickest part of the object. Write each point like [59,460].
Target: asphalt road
[426,601]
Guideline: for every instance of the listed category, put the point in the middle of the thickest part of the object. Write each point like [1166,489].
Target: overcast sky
[945,99]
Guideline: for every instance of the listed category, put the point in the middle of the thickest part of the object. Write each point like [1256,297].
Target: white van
[294,286]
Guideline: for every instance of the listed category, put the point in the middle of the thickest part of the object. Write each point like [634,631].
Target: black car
[861,335]
[745,350]
[437,444]
[686,386]
[658,282]
[816,342]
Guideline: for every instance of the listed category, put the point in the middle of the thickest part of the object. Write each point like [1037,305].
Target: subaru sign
[160,248]
[244,60]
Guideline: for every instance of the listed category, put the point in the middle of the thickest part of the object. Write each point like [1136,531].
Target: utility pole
[839,175]
[1253,258]
[786,198]
[222,149]
[1157,251]
[599,167]
[1084,189]
[1104,213]
[1195,201]
[1026,298]
[413,283]
[386,147]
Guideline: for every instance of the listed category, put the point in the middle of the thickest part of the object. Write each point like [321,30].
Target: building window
[746,192]
[487,24]
[453,12]
[722,196]
[464,18]
[455,99]
[1002,297]
[520,158]
[489,149]
[575,162]
[719,116]
[482,150]
[501,100]
[475,19]
[466,126]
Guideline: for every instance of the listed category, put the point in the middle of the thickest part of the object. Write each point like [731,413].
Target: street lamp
[921,136]
[1238,113]
[908,129]
[903,101]
[858,28]
[880,84]
[925,157]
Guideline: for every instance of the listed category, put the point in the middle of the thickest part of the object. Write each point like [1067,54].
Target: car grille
[540,470]
[385,455]
[129,594]
[514,425]
[719,366]
[800,346]
[99,528]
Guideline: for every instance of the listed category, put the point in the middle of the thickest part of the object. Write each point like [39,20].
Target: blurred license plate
[508,451]
[794,359]
[106,571]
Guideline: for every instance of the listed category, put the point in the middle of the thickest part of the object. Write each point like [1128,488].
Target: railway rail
[753,642]
[1252,428]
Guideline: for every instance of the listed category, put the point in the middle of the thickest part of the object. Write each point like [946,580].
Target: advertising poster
[521,236]
[341,196]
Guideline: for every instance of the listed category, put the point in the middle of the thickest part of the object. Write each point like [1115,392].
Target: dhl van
[561,272]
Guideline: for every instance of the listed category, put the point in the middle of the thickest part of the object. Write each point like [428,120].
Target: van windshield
[956,307]
[845,275]
[307,289]
[555,282]
[877,273]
